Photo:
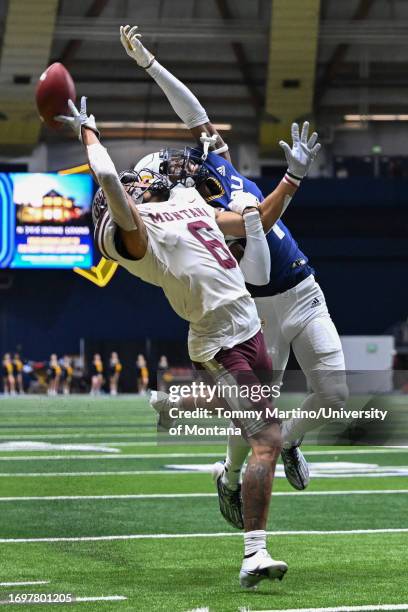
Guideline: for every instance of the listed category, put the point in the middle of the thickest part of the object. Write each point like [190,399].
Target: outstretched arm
[182,100]
[300,157]
[121,208]
[255,260]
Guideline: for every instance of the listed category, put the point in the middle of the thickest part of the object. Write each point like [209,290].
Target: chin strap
[208,142]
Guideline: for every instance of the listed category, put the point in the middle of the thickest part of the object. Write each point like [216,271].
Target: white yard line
[368,608]
[106,598]
[79,434]
[69,474]
[390,471]
[25,583]
[97,455]
[193,495]
[102,497]
[34,436]
[368,451]
[149,444]
[155,444]
[176,536]
[378,451]
[102,598]
[102,455]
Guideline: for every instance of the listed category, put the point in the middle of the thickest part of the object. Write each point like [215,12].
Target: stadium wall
[49,311]
[361,263]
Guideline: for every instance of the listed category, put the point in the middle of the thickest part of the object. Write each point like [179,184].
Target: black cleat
[295,465]
[230,501]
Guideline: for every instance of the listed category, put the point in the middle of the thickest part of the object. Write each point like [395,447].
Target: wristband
[251,219]
[292,180]
[150,64]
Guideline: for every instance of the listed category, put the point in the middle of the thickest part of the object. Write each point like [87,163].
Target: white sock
[254,541]
[237,451]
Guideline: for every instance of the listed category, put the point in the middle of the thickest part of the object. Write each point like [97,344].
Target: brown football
[54,88]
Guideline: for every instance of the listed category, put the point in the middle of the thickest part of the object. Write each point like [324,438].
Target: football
[54,88]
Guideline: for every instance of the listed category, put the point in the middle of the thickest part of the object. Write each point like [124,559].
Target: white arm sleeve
[256,261]
[108,179]
[183,101]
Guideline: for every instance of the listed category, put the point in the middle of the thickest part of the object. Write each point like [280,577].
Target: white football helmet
[151,161]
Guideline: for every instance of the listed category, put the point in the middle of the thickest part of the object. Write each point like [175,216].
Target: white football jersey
[187,256]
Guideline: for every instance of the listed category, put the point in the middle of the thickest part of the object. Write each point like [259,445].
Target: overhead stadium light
[152,125]
[376,117]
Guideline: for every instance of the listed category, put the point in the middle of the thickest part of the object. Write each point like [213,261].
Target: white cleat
[259,567]
[161,403]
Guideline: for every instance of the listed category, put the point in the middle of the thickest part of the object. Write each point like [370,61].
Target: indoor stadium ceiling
[356,53]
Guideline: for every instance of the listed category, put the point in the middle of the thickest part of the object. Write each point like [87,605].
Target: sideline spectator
[96,375]
[142,374]
[18,373]
[163,374]
[9,383]
[115,368]
[54,375]
[67,372]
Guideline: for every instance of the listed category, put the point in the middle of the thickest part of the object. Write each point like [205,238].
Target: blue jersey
[289,265]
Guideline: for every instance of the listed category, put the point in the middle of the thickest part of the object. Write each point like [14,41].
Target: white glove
[303,152]
[134,48]
[240,200]
[79,119]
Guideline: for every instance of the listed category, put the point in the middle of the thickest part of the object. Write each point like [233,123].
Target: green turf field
[104,511]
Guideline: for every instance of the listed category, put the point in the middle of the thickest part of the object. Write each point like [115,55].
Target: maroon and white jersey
[187,256]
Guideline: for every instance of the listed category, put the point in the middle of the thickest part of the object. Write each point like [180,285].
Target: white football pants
[299,318]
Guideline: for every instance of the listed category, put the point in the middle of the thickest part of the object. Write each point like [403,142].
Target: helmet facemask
[183,167]
[136,184]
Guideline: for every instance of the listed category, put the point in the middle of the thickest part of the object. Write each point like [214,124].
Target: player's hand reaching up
[303,152]
[79,119]
[130,39]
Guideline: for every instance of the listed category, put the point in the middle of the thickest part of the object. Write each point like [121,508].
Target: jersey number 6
[213,245]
